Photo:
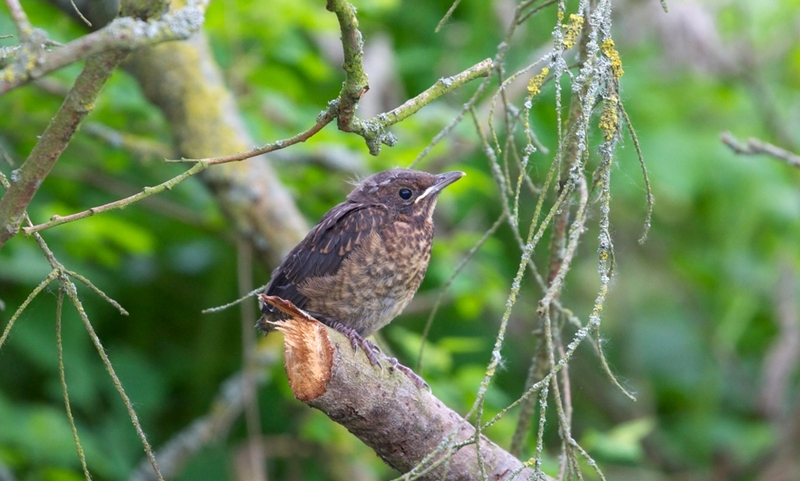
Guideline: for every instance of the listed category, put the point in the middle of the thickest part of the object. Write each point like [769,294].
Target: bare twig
[68,288]
[20,19]
[35,292]
[200,165]
[27,180]
[447,15]
[80,14]
[754,146]
[63,376]
[323,119]
[125,34]
[449,282]
[378,123]
[648,189]
[118,204]
[534,10]
[441,87]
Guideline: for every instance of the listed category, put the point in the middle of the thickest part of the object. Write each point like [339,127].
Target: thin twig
[323,119]
[68,288]
[250,294]
[200,165]
[20,19]
[527,15]
[80,15]
[379,123]
[54,140]
[118,204]
[755,146]
[440,88]
[124,33]
[97,291]
[63,376]
[73,296]
[447,15]
[35,292]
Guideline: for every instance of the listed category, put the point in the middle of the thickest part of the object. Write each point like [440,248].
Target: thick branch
[79,102]
[409,428]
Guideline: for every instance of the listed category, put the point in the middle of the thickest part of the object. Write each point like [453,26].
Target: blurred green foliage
[690,319]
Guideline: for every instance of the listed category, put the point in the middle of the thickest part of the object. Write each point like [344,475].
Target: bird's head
[406,191]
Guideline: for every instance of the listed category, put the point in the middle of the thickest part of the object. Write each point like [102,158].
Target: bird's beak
[442,181]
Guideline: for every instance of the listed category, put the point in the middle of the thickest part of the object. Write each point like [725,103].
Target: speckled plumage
[363,262]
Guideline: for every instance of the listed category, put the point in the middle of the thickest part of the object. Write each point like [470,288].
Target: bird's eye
[405,194]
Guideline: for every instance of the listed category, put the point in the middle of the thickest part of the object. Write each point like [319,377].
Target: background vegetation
[701,320]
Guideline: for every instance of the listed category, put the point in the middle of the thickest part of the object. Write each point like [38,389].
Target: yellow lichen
[616,63]
[535,84]
[572,30]
[609,121]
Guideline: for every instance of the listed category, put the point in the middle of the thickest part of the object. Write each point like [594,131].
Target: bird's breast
[377,280]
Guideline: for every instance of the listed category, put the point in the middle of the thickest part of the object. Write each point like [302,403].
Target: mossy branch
[126,34]
[356,85]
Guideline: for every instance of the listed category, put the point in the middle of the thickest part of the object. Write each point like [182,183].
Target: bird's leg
[370,349]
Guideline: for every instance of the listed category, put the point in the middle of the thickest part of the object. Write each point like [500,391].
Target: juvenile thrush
[361,264]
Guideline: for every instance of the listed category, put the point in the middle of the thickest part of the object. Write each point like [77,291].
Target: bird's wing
[324,249]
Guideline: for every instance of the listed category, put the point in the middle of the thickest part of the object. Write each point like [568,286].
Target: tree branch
[410,429]
[754,146]
[117,204]
[200,166]
[28,178]
[356,85]
[20,19]
[379,123]
[126,34]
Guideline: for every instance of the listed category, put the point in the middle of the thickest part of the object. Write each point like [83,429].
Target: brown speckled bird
[361,264]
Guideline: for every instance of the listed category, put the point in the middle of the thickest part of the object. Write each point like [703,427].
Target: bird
[360,266]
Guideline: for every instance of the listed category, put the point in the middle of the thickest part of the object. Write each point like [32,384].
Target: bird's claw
[371,350]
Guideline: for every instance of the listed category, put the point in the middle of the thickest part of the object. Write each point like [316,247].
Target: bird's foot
[370,349]
[373,351]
